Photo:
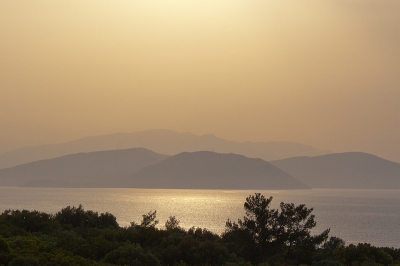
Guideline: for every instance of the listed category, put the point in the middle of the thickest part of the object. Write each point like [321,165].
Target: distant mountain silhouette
[160,141]
[343,170]
[209,170]
[96,169]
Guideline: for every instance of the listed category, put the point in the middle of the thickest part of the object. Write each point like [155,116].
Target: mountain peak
[210,170]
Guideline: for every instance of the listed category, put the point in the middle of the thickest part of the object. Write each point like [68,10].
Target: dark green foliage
[149,220]
[366,254]
[78,217]
[265,237]
[5,252]
[24,261]
[30,221]
[328,263]
[334,243]
[264,232]
[131,255]
[172,223]
[4,248]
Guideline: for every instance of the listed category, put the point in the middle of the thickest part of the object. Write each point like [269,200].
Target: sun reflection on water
[354,215]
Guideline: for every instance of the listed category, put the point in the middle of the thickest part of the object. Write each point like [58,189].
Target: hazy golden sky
[324,73]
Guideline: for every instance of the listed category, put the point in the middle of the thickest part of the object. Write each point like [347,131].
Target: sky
[322,73]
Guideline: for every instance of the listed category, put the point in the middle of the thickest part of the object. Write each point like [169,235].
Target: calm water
[371,216]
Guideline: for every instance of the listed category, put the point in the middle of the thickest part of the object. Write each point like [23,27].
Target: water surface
[371,216]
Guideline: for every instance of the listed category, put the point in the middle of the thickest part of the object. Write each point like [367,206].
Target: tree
[172,223]
[256,228]
[107,219]
[131,255]
[334,243]
[294,224]
[78,217]
[285,232]
[148,220]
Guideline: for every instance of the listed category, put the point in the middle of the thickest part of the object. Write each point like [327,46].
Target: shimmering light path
[355,215]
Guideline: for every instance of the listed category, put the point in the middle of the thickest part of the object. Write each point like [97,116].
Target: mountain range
[343,170]
[160,141]
[95,169]
[210,170]
[141,168]
[60,165]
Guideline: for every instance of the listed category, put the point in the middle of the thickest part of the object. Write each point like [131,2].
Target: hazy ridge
[343,170]
[210,170]
[159,141]
[96,169]
[229,167]
[140,167]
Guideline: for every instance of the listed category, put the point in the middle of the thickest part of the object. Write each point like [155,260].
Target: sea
[356,216]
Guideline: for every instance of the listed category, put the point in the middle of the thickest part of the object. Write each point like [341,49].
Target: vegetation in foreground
[263,237]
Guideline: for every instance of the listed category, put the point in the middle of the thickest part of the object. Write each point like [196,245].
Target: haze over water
[369,216]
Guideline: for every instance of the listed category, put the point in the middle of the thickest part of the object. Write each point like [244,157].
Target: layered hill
[209,170]
[96,169]
[160,141]
[343,170]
